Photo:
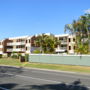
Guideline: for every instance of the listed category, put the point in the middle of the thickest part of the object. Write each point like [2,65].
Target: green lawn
[16,62]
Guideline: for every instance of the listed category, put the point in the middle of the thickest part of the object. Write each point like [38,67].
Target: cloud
[87,11]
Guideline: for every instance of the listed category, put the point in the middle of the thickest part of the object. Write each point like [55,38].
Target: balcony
[63,42]
[60,49]
[1,52]
[15,43]
[9,50]
[1,46]
[16,50]
[19,50]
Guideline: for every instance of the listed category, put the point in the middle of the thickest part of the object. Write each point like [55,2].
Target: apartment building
[71,44]
[16,44]
[67,43]
[1,46]
[25,44]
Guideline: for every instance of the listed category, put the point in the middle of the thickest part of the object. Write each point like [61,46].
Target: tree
[70,28]
[81,28]
[85,19]
[39,41]
[47,43]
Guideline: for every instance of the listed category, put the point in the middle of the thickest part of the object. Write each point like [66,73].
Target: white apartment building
[71,44]
[25,44]
[67,43]
[16,44]
[1,46]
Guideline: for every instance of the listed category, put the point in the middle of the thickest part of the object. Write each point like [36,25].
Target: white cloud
[87,11]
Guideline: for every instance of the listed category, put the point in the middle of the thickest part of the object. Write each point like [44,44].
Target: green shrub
[15,56]
[19,55]
[0,55]
[36,51]
[26,57]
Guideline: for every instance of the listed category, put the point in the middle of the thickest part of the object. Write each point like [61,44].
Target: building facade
[67,43]
[1,47]
[25,44]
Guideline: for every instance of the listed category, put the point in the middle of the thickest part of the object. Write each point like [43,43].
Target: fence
[60,59]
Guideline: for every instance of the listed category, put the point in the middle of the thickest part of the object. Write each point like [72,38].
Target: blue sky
[29,17]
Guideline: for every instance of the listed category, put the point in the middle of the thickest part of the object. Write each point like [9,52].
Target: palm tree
[70,28]
[86,27]
[46,43]
[81,28]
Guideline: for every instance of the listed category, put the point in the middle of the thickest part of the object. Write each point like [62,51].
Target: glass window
[69,40]
[69,47]
[73,39]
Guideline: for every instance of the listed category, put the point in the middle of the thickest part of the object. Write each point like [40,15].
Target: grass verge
[16,62]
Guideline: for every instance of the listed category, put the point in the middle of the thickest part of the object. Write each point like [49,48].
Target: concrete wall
[61,59]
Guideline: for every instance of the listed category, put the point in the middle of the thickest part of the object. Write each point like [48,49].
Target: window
[26,48]
[26,41]
[16,46]
[17,40]
[69,40]
[69,47]
[73,39]
[29,41]
[22,46]
[60,38]
[74,47]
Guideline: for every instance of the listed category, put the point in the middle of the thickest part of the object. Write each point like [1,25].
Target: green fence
[60,59]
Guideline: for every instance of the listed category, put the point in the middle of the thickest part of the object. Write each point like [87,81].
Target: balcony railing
[9,50]
[1,46]
[61,48]
[17,50]
[15,43]
[63,42]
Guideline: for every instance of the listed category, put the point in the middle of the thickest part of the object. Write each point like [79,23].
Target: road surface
[18,78]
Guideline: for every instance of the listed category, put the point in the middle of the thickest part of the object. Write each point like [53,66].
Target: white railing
[9,50]
[1,46]
[1,52]
[15,43]
[63,42]
[17,50]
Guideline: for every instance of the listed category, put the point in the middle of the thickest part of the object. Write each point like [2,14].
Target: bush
[14,56]
[26,57]
[19,55]
[0,55]
[36,51]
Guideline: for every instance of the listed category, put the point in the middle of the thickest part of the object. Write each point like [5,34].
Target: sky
[29,17]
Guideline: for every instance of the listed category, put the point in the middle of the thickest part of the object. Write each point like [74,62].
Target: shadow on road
[7,69]
[76,85]
[7,86]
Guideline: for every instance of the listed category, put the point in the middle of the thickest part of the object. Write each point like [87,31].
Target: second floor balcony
[16,50]
[63,42]
[15,43]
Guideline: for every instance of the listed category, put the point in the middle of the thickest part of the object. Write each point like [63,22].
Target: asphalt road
[18,78]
